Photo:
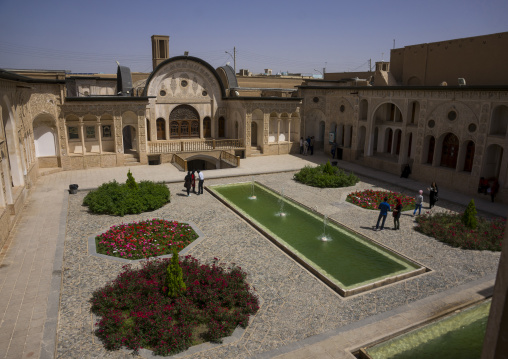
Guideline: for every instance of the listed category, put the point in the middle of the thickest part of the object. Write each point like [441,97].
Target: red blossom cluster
[150,238]
[136,313]
[370,199]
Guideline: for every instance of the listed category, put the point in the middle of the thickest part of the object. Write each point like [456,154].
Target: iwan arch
[188,113]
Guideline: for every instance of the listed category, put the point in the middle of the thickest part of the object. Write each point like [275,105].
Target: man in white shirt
[201,180]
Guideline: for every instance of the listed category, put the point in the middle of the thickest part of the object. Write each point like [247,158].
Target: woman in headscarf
[433,194]
[188,182]
[396,214]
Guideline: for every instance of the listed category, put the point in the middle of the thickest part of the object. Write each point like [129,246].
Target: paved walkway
[31,260]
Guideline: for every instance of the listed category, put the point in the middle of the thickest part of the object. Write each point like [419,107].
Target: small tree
[174,277]
[131,182]
[328,168]
[469,216]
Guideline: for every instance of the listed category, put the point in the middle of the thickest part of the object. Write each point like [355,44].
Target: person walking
[396,214]
[311,145]
[200,182]
[301,145]
[433,194]
[333,149]
[384,208]
[418,203]
[193,181]
[187,183]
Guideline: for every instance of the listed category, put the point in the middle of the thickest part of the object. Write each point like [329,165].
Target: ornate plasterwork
[184,80]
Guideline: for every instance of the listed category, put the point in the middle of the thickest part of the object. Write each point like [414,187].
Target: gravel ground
[295,305]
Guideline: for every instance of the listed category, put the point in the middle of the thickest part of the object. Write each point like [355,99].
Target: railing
[193,145]
[180,162]
[229,158]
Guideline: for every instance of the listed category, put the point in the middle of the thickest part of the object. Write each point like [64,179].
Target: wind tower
[160,49]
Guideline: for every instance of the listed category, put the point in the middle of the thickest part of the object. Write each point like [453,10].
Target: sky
[297,36]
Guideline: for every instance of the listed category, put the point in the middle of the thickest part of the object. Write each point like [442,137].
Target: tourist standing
[418,203]
[193,181]
[311,144]
[396,214]
[187,183]
[301,145]
[334,149]
[433,194]
[384,208]
[201,181]
[305,148]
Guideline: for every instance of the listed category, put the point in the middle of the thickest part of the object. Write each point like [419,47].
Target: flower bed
[150,238]
[370,199]
[136,311]
[448,227]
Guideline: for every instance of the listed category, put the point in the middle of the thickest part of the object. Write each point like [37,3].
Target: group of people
[190,182]
[384,207]
[307,145]
[486,188]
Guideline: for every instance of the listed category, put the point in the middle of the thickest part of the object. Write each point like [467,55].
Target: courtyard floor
[46,263]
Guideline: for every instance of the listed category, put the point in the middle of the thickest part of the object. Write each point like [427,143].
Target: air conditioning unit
[462,81]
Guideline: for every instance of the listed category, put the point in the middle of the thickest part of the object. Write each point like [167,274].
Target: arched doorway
[161,129]
[492,163]
[207,127]
[449,151]
[222,127]
[129,137]
[254,134]
[45,138]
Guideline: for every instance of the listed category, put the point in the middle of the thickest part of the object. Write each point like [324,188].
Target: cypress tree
[469,216]
[174,277]
[131,182]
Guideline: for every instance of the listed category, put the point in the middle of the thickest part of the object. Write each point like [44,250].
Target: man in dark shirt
[384,208]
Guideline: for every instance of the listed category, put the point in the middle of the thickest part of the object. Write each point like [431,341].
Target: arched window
[468,161]
[147,129]
[449,151]
[161,129]
[499,121]
[389,139]
[182,120]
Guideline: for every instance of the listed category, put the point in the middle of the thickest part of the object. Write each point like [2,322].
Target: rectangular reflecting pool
[458,336]
[347,261]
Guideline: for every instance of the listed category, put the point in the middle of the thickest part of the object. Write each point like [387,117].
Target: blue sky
[296,36]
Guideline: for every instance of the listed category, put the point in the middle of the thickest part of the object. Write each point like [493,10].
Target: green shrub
[174,277]
[121,199]
[325,176]
[469,216]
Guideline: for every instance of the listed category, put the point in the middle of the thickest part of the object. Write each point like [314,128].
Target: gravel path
[295,305]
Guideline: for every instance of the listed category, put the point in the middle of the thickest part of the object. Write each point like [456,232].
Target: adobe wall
[467,58]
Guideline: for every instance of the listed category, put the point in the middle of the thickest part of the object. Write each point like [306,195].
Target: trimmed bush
[136,312]
[325,176]
[133,198]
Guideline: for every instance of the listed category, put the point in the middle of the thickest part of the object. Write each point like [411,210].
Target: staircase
[130,159]
[255,151]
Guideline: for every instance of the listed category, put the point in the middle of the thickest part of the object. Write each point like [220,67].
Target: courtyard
[48,250]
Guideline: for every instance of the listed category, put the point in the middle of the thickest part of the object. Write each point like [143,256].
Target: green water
[346,259]
[459,336]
